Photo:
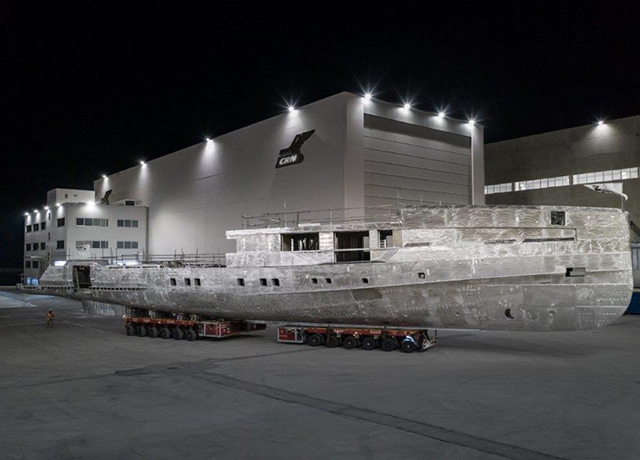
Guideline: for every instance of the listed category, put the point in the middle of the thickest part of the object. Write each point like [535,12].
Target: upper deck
[438,228]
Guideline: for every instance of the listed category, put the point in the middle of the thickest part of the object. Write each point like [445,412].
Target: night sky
[89,89]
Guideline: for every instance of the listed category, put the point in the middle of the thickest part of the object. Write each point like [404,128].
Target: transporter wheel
[154,332]
[178,333]
[350,342]
[165,333]
[333,341]
[408,346]
[192,334]
[315,340]
[131,329]
[369,343]
[141,330]
[389,344]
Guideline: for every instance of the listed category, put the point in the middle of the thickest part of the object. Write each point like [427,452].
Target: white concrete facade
[361,154]
[62,231]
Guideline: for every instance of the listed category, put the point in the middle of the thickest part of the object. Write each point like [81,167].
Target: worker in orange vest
[50,317]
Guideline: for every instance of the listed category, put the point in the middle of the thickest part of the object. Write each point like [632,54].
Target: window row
[31,264]
[36,246]
[605,176]
[127,245]
[80,245]
[36,227]
[542,183]
[187,282]
[89,222]
[127,223]
[498,188]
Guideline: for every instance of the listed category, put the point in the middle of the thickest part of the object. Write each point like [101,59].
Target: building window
[28,246]
[127,223]
[34,264]
[536,184]
[197,281]
[93,244]
[557,217]
[28,228]
[60,222]
[27,264]
[127,245]
[605,176]
[90,222]
[43,246]
[60,244]
[385,237]
[301,242]
[43,226]
[36,227]
[498,188]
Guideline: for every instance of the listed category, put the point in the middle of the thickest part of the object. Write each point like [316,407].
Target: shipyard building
[345,154]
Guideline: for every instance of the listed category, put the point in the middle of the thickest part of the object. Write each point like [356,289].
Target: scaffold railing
[340,216]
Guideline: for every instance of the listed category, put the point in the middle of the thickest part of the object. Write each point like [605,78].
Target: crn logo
[292,154]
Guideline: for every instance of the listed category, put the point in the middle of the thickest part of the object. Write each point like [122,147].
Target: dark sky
[90,87]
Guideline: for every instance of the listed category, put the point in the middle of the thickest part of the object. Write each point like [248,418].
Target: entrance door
[81,277]
[355,242]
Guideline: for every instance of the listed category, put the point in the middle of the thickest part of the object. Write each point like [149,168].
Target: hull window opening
[352,246]
[240,281]
[197,281]
[263,281]
[173,281]
[508,314]
[314,280]
[275,281]
[301,242]
[421,275]
[82,277]
[557,218]
[187,281]
[328,280]
[385,238]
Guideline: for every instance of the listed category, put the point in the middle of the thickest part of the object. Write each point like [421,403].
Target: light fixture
[367,96]
[600,122]
[58,204]
[407,106]
[207,139]
[292,109]
[26,214]
[90,203]
[142,163]
[441,115]
[46,208]
[104,176]
[472,122]
[36,211]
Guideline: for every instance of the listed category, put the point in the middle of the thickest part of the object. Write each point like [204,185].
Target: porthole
[365,280]
[187,282]
[508,314]
[275,281]
[240,281]
[172,281]
[197,281]
[314,280]
[263,281]
[327,280]
[422,275]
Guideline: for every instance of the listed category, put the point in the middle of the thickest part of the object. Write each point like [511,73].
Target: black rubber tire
[130,328]
[369,343]
[141,330]
[333,341]
[154,332]
[177,333]
[350,342]
[165,333]
[408,346]
[192,334]
[315,340]
[389,344]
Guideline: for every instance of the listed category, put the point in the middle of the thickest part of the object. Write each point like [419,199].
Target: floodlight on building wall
[407,106]
[26,214]
[142,163]
[104,176]
[291,109]
[58,205]
[36,211]
[441,115]
[46,208]
[91,203]
[207,139]
[600,122]
[367,96]
[472,122]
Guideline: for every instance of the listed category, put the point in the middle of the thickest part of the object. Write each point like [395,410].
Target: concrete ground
[85,390]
